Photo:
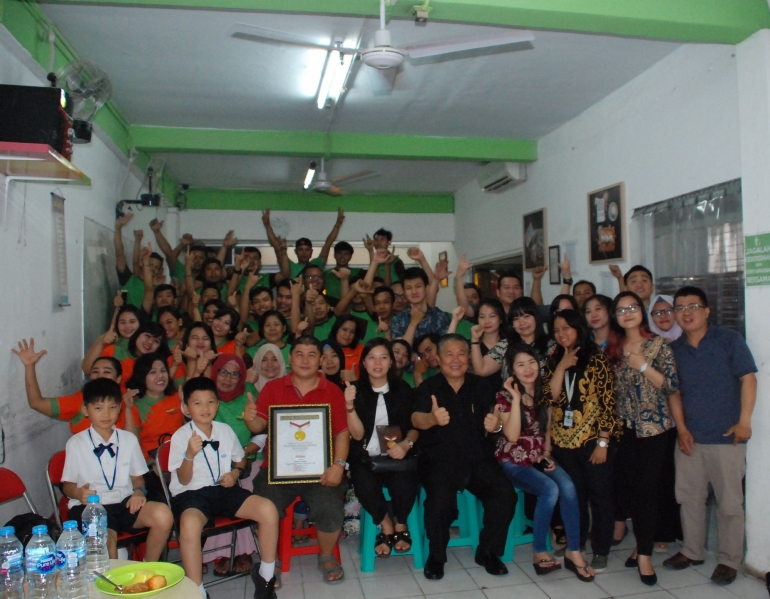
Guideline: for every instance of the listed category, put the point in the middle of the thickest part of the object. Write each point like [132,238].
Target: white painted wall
[754,91]
[27,292]
[671,130]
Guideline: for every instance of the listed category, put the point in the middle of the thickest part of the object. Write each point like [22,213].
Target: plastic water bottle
[12,569]
[71,562]
[41,565]
[94,521]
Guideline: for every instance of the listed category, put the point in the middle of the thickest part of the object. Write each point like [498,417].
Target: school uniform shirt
[117,350]
[68,408]
[108,475]
[297,268]
[209,464]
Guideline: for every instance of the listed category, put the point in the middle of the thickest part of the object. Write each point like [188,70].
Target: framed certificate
[300,438]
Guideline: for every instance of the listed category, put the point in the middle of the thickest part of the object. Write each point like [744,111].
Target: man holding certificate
[457,454]
[305,419]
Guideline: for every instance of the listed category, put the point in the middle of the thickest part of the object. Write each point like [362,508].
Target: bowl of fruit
[142,579]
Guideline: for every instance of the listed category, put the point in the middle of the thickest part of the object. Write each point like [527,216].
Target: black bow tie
[102,448]
[214,444]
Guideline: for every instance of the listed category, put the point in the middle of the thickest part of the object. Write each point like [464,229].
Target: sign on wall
[757,260]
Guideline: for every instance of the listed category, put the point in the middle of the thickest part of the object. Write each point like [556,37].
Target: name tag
[567,423]
[108,497]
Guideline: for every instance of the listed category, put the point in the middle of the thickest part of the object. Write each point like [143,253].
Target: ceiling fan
[323,184]
[383,55]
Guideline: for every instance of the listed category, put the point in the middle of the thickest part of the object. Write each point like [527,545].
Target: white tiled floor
[396,578]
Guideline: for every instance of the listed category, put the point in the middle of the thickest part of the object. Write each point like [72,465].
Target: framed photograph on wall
[534,226]
[554,257]
[606,224]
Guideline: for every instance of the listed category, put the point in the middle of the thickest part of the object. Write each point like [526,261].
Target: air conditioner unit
[496,177]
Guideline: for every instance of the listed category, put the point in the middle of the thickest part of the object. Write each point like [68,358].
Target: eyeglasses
[667,312]
[311,277]
[691,308]
[230,375]
[632,309]
[400,296]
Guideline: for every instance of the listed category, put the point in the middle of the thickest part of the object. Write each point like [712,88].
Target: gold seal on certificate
[300,443]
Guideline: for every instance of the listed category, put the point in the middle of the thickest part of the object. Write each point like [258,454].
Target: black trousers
[593,483]
[642,461]
[488,483]
[402,486]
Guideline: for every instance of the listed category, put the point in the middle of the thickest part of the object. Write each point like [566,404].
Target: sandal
[559,535]
[333,570]
[383,539]
[242,564]
[541,568]
[219,563]
[402,536]
[570,565]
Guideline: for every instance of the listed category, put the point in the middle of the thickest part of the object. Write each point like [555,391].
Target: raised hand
[440,415]
[311,295]
[341,273]
[27,353]
[362,286]
[340,217]
[138,234]
[302,326]
[616,272]
[194,445]
[382,326]
[476,332]
[190,353]
[350,395]
[230,239]
[109,337]
[118,301]
[538,272]
[266,217]
[124,220]
[381,256]
[441,271]
[240,338]
[156,225]
[569,359]
[238,261]
[463,266]
[187,239]
[252,279]
[458,313]
[513,390]
[420,366]
[232,300]
[565,267]
[177,355]
[492,421]
[282,245]
[368,243]
[128,398]
[415,254]
[250,410]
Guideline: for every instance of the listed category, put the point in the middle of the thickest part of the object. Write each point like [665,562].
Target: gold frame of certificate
[300,438]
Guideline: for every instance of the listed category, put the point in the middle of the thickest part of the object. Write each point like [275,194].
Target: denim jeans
[549,487]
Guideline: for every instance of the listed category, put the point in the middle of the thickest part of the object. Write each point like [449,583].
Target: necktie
[102,448]
[214,444]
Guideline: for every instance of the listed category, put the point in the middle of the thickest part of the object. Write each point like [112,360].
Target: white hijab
[674,332]
[263,379]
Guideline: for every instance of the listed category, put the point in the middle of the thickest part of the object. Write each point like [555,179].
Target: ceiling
[180,68]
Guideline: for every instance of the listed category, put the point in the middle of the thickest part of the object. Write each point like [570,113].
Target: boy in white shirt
[204,485]
[108,462]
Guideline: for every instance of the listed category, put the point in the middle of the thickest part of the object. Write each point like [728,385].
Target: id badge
[567,419]
[108,497]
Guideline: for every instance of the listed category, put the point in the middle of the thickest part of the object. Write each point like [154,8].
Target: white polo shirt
[108,475]
[209,464]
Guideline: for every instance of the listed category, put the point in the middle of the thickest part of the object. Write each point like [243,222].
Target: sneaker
[599,563]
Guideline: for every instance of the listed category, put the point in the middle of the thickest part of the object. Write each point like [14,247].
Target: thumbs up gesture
[250,410]
[350,395]
[194,445]
[440,415]
[492,421]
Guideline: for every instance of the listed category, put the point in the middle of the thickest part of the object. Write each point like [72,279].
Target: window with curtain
[697,239]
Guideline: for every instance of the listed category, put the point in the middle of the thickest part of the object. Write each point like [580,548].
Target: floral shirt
[497,353]
[640,404]
[593,404]
[531,442]
[435,321]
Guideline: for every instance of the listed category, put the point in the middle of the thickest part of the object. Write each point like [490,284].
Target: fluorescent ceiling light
[334,76]
[310,175]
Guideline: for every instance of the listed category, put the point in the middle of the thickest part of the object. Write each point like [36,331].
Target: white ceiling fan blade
[355,177]
[253,33]
[469,43]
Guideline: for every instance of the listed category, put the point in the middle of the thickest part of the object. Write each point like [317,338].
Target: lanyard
[115,468]
[219,463]
[569,386]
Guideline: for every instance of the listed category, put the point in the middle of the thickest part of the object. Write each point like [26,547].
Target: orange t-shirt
[128,370]
[69,408]
[228,347]
[353,358]
[156,419]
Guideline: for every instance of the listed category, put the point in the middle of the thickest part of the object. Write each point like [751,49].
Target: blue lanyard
[115,468]
[219,463]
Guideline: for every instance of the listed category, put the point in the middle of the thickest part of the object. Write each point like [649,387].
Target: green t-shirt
[298,268]
[464,328]
[322,331]
[179,272]
[393,274]
[371,326]
[285,351]
[135,288]
[333,285]
[231,414]
[408,378]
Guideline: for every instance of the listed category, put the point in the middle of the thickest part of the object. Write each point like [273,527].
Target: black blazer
[398,403]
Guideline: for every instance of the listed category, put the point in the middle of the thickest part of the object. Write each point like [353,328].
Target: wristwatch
[567,281]
[604,444]
[411,443]
[342,463]
[644,367]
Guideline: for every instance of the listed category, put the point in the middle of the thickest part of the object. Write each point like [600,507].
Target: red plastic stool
[286,550]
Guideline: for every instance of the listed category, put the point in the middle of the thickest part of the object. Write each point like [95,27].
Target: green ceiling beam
[30,26]
[311,201]
[337,145]
[708,21]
